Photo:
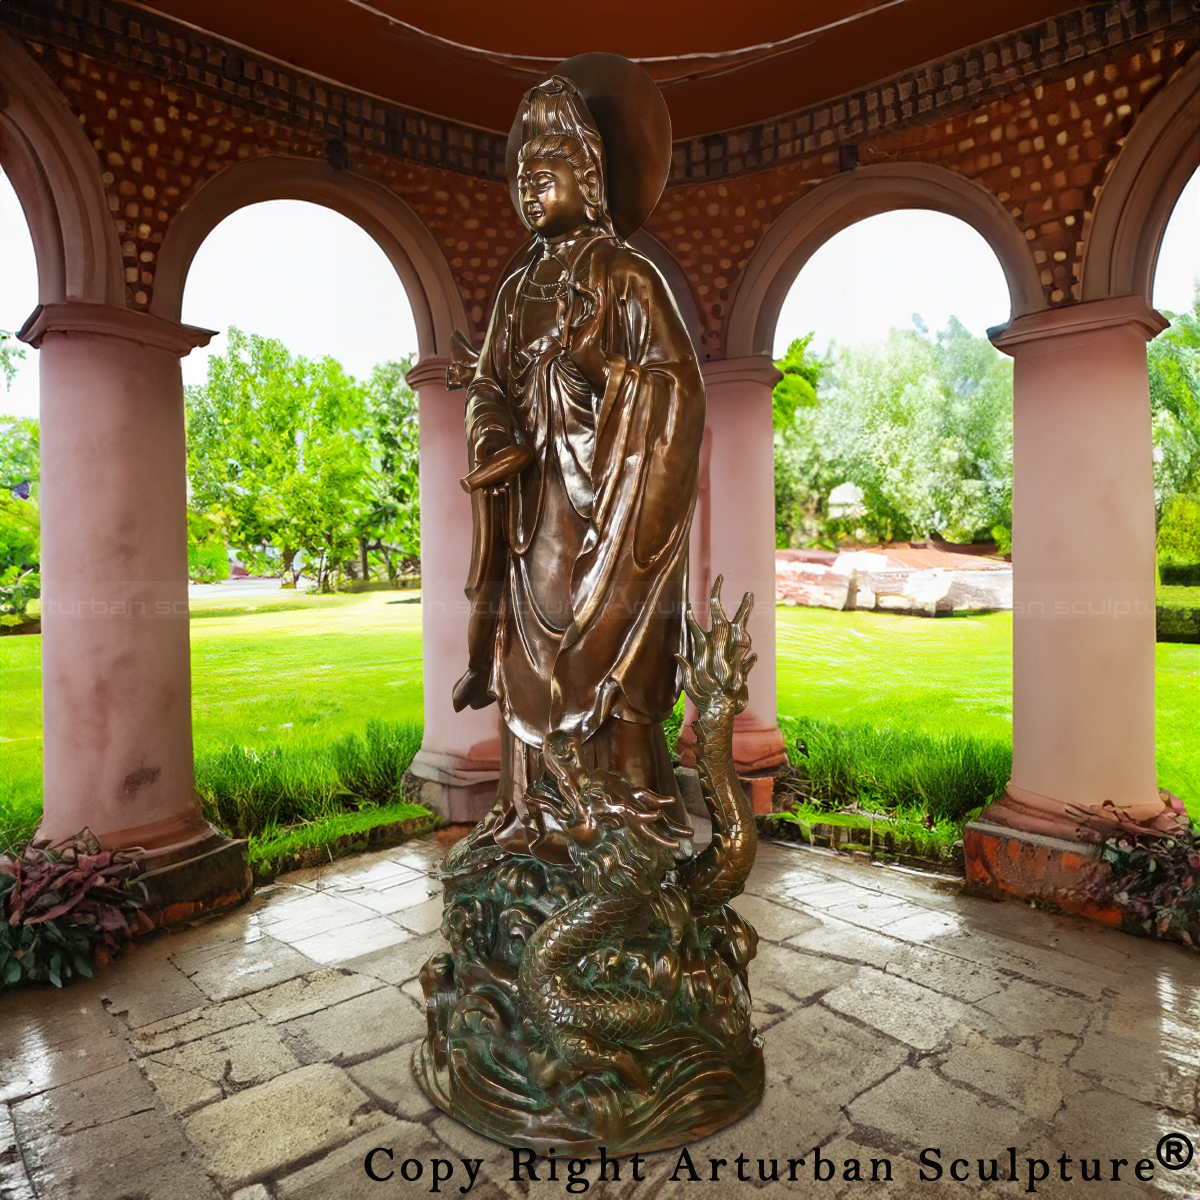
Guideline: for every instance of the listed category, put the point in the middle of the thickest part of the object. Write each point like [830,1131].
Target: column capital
[77,316]
[1088,317]
[430,370]
[753,368]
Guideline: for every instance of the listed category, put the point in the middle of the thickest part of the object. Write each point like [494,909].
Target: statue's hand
[583,334]
[487,443]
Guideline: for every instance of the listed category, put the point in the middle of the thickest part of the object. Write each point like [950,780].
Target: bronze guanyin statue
[595,993]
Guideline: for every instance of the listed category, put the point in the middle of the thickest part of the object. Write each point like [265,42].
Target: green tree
[281,449]
[394,522]
[20,551]
[10,354]
[20,522]
[798,470]
[923,426]
[20,452]
[1173,363]
[802,372]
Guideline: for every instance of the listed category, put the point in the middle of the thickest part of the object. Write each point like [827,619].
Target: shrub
[64,904]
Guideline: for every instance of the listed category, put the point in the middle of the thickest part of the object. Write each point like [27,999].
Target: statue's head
[560,180]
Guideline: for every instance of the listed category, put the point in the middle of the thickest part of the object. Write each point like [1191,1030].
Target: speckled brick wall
[1042,143]
[159,143]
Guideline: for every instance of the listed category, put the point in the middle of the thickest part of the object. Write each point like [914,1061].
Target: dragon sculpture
[605,1002]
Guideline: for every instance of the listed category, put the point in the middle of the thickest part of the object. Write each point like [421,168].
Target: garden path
[261,1055]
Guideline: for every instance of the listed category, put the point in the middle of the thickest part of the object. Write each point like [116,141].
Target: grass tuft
[944,776]
[247,791]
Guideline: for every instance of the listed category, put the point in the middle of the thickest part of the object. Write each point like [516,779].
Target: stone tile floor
[261,1055]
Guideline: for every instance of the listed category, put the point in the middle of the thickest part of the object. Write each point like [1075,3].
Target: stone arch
[436,305]
[851,197]
[1136,200]
[55,173]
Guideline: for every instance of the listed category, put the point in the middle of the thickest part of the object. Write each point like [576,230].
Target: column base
[456,789]
[760,789]
[1005,863]
[755,751]
[211,874]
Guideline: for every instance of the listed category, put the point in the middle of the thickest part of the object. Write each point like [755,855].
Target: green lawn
[308,669]
[265,671]
[954,675]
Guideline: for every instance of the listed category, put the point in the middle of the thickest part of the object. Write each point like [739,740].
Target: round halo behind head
[617,115]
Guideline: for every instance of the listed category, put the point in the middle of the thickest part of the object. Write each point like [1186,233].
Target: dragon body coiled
[604,1001]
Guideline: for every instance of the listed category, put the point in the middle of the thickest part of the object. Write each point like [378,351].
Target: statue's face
[551,201]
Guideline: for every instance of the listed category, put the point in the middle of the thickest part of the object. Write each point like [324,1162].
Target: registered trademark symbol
[1174,1151]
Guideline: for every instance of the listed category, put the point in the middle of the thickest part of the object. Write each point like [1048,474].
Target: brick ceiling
[720,64]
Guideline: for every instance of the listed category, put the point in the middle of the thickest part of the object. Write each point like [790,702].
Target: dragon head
[620,835]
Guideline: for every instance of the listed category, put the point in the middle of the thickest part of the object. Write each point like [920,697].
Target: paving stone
[341,1174]
[401,960]
[765,1133]
[386,873]
[1034,964]
[190,1026]
[255,1134]
[310,993]
[139,1157]
[818,1062]
[824,898]
[413,891]
[353,941]
[365,1026]
[388,1079]
[185,1077]
[424,918]
[905,1011]
[495,1175]
[978,1024]
[1135,1062]
[966,981]
[1027,1010]
[921,925]
[869,909]
[14,1182]
[1025,1083]
[47,1045]
[311,914]
[768,1005]
[73,1107]
[774,922]
[801,976]
[256,1191]
[234,969]
[139,995]
[916,1107]
[1095,1123]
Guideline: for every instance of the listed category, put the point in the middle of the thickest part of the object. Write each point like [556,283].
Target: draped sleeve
[629,582]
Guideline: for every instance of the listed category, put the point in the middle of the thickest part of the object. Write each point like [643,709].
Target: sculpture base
[574,1013]
[689,1102]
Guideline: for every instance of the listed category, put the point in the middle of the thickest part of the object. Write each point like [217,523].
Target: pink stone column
[459,759]
[116,670]
[733,535]
[1083,566]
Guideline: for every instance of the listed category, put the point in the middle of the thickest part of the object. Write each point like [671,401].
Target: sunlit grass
[298,673]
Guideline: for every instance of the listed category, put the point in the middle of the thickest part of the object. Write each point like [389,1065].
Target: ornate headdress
[616,116]
[556,123]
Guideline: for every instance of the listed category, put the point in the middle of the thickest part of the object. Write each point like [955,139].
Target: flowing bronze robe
[580,563]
